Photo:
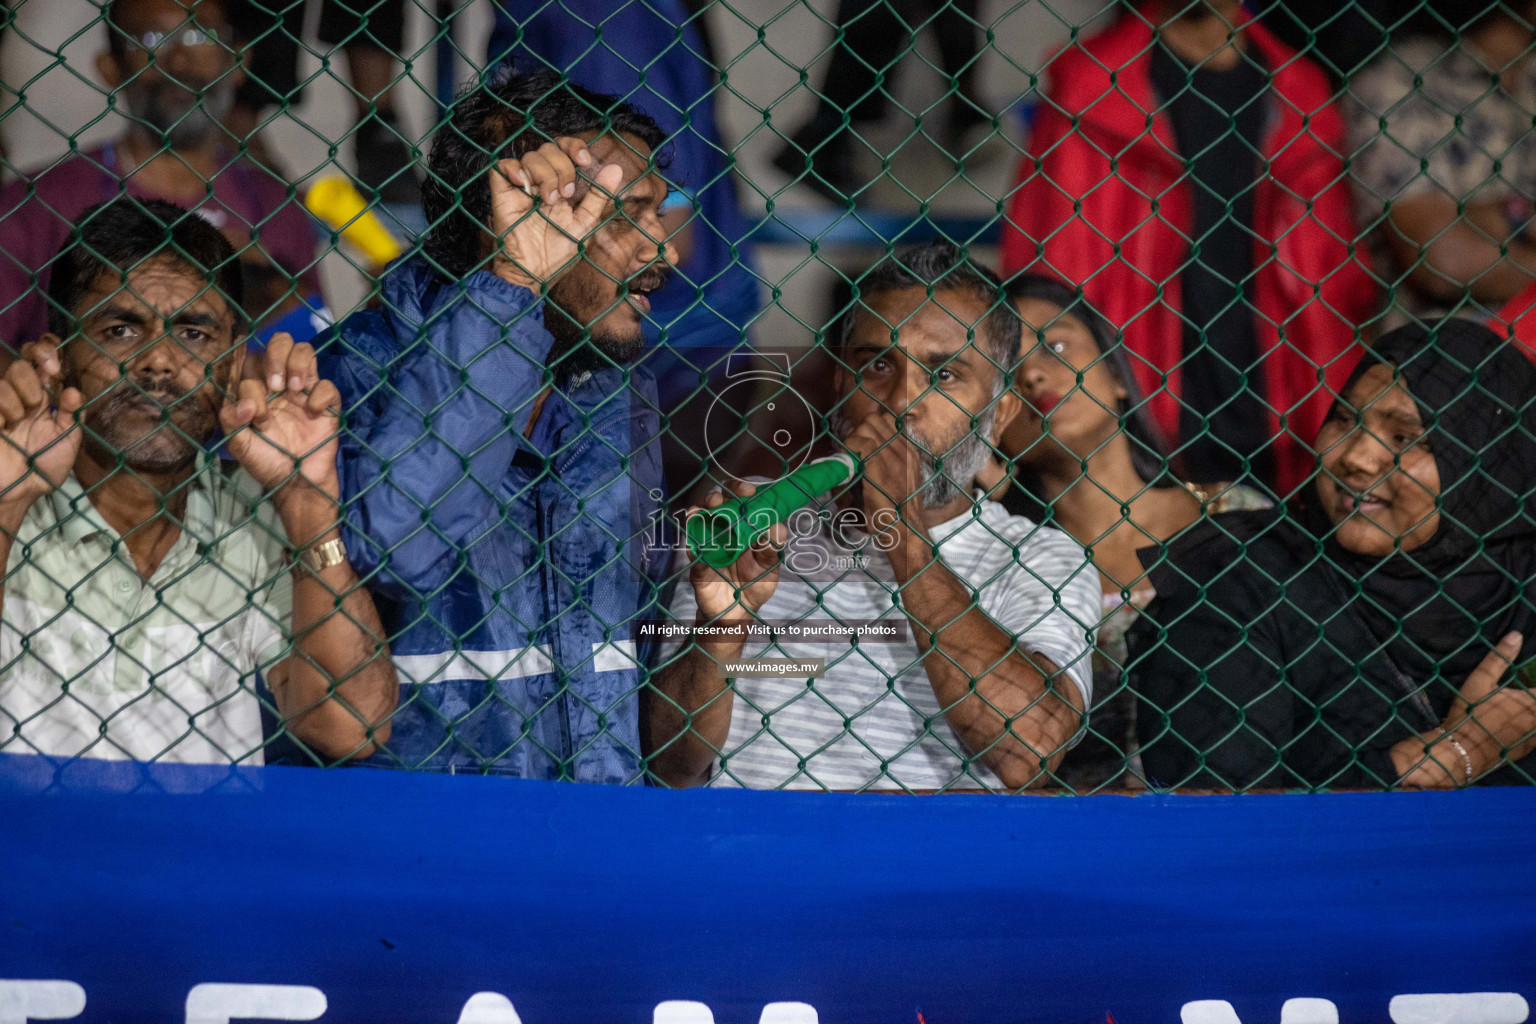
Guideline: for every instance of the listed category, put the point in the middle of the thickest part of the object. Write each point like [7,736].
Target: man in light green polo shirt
[149,584]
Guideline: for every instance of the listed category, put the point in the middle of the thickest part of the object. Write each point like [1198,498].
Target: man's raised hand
[285,422]
[40,437]
[538,245]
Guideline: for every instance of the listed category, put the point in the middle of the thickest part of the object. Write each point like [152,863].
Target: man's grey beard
[182,127]
[166,449]
[963,461]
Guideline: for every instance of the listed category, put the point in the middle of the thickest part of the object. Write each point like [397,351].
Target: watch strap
[321,557]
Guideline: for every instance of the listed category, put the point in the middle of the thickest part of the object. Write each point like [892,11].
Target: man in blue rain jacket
[498,457]
[656,55]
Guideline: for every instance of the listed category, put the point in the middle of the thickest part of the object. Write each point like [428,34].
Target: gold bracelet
[1465,757]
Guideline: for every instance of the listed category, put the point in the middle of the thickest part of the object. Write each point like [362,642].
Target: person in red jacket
[1187,173]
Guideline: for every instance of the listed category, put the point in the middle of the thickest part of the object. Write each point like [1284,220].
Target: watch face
[759,426]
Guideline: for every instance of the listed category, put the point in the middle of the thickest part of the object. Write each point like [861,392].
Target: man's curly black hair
[507,117]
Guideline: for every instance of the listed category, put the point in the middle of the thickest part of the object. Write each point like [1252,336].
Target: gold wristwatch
[322,556]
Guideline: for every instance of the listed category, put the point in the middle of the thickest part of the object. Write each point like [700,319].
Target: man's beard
[963,458]
[182,118]
[166,447]
[579,349]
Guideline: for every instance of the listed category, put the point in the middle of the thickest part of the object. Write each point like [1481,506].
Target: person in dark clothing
[1088,459]
[1185,167]
[1217,111]
[1346,643]
[875,35]
[1341,39]
[372,35]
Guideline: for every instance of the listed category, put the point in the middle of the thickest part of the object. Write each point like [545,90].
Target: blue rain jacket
[509,570]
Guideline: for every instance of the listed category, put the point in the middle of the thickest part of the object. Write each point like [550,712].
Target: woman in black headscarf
[1362,637]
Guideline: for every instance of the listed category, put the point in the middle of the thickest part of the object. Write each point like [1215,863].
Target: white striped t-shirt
[874,721]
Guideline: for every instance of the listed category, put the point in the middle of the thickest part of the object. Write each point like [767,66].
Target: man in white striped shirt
[976,673]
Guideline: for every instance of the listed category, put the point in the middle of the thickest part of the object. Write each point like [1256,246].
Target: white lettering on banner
[489,1008]
[1435,1008]
[212,1003]
[1309,1011]
[1208,1011]
[1459,1008]
[23,1000]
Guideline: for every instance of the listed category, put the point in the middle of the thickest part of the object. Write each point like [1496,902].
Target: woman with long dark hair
[1087,458]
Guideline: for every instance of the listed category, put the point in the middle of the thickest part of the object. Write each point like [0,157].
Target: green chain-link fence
[1176,347]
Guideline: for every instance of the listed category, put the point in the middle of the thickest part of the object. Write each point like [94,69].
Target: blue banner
[139,893]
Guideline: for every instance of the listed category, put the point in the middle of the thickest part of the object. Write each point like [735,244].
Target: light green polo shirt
[96,662]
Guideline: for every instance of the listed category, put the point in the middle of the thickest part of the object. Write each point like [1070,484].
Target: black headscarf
[1443,605]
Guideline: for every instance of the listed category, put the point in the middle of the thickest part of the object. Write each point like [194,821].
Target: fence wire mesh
[1078,396]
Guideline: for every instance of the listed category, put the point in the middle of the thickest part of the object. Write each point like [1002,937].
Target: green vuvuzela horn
[719,536]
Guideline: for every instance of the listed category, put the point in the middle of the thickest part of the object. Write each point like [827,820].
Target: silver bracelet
[1465,757]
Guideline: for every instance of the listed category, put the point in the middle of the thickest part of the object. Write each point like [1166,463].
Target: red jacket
[1072,210]
[1517,320]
